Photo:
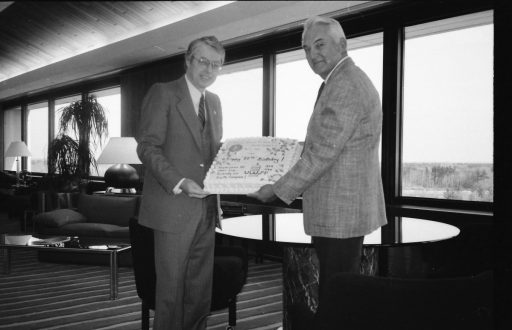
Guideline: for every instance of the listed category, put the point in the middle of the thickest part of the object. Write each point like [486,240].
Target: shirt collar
[195,94]
[337,65]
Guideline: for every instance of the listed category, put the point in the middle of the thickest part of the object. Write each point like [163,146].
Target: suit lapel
[186,109]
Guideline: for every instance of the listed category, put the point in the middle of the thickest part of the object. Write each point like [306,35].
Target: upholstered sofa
[95,217]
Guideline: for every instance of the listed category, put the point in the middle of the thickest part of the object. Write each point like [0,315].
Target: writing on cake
[243,165]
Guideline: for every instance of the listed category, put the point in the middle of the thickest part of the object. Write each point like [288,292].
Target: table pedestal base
[300,284]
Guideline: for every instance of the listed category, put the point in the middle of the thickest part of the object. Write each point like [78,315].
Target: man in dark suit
[180,133]
[338,173]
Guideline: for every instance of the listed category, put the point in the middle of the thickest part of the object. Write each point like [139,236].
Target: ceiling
[36,34]
[50,44]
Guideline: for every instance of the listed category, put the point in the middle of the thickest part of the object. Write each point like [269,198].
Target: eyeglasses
[206,63]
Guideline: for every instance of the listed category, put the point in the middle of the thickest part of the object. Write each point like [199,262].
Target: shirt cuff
[177,190]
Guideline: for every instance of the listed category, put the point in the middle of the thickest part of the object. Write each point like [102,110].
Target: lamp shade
[120,150]
[17,149]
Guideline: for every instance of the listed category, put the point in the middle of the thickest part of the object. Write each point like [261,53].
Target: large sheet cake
[243,165]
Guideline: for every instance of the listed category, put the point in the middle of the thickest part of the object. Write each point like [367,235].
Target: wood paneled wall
[135,84]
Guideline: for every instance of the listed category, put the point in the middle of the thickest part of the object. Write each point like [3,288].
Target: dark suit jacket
[169,146]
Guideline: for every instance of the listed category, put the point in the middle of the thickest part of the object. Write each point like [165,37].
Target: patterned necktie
[319,92]
[201,112]
[317,97]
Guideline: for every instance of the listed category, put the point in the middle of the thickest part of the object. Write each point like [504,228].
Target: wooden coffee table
[65,244]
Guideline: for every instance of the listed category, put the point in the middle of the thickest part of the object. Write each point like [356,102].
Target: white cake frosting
[243,165]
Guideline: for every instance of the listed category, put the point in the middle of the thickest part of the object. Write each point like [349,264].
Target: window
[110,100]
[37,137]
[296,90]
[240,88]
[447,133]
[12,132]
[297,85]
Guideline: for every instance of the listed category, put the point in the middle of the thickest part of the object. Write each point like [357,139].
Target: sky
[448,97]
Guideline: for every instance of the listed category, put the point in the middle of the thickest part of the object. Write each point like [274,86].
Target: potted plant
[69,159]
[63,169]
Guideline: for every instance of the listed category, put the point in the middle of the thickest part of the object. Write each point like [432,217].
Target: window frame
[5,145]
[50,97]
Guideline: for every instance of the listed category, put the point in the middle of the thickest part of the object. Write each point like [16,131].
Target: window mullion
[24,132]
[392,111]
[269,95]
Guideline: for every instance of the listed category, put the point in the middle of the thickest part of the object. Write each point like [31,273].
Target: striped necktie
[201,113]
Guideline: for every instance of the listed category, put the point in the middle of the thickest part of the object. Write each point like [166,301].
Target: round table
[289,229]
[300,264]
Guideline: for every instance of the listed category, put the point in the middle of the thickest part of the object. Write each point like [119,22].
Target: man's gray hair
[210,41]
[335,29]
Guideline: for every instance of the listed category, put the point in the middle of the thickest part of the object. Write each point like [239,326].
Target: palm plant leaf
[63,152]
[87,120]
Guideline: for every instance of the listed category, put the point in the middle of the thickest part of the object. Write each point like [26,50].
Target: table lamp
[120,151]
[17,149]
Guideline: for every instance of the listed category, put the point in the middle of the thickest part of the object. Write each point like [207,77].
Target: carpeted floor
[42,295]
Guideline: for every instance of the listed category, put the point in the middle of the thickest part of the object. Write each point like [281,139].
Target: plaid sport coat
[339,172]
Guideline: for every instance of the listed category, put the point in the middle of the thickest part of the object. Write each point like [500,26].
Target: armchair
[229,273]
[368,302]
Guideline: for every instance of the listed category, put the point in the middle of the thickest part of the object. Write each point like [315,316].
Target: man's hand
[192,189]
[264,194]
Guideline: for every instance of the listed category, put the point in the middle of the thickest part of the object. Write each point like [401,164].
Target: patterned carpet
[42,295]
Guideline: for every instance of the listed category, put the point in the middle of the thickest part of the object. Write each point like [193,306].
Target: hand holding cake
[265,194]
[192,189]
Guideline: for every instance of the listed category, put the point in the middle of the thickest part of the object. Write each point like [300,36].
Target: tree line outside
[459,181]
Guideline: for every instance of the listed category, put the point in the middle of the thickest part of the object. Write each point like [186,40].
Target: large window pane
[297,85]
[12,132]
[240,88]
[448,109]
[110,100]
[37,138]
[296,90]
